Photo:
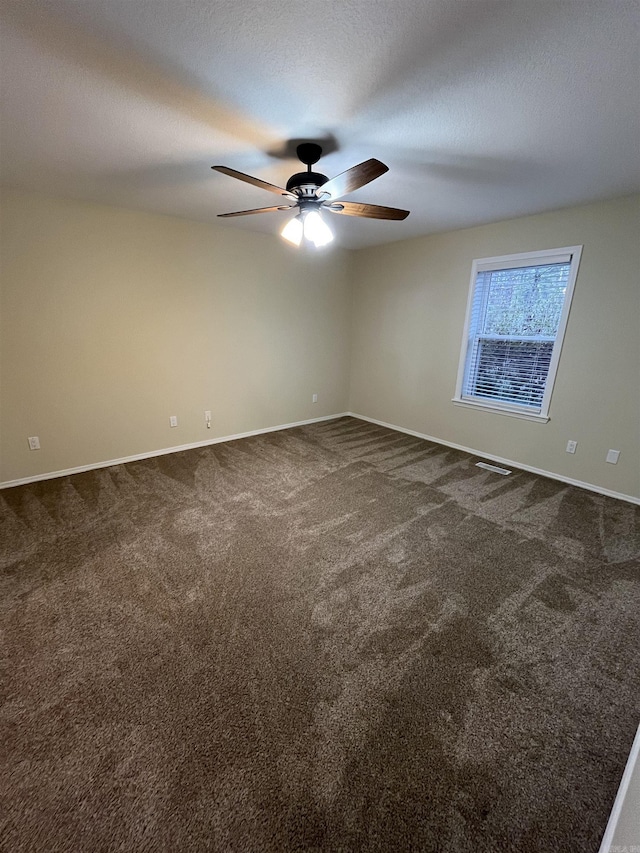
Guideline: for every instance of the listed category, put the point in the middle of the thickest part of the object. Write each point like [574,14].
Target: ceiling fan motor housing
[306,183]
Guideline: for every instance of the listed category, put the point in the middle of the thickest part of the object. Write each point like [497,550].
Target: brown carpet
[334,638]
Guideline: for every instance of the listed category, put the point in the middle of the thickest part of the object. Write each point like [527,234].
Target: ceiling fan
[310,192]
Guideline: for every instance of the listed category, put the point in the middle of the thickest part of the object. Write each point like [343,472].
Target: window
[516,318]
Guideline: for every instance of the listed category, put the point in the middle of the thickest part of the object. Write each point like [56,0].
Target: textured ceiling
[482,110]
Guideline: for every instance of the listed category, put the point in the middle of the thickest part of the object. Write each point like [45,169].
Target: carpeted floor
[334,638]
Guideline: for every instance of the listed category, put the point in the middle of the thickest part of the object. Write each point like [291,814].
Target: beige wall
[409,309]
[113,320]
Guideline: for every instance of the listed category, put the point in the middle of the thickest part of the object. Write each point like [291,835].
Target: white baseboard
[625,810]
[165,450]
[80,469]
[571,482]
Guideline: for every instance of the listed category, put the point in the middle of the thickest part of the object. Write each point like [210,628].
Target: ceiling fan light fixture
[293,230]
[316,229]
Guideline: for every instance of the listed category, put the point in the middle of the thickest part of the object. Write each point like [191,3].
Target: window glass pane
[512,371]
[526,301]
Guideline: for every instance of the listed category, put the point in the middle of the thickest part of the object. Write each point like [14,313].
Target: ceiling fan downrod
[306,184]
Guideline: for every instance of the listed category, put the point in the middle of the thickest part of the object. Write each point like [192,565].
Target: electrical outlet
[314,399]
[612,456]
[571,446]
[173,421]
[207,419]
[34,442]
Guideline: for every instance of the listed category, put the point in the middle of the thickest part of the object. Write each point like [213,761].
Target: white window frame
[569,254]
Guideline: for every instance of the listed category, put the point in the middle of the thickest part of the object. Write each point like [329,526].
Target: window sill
[499,410]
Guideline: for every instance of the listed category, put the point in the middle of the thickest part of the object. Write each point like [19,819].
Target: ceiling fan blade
[354,178]
[257,210]
[370,211]
[256,182]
